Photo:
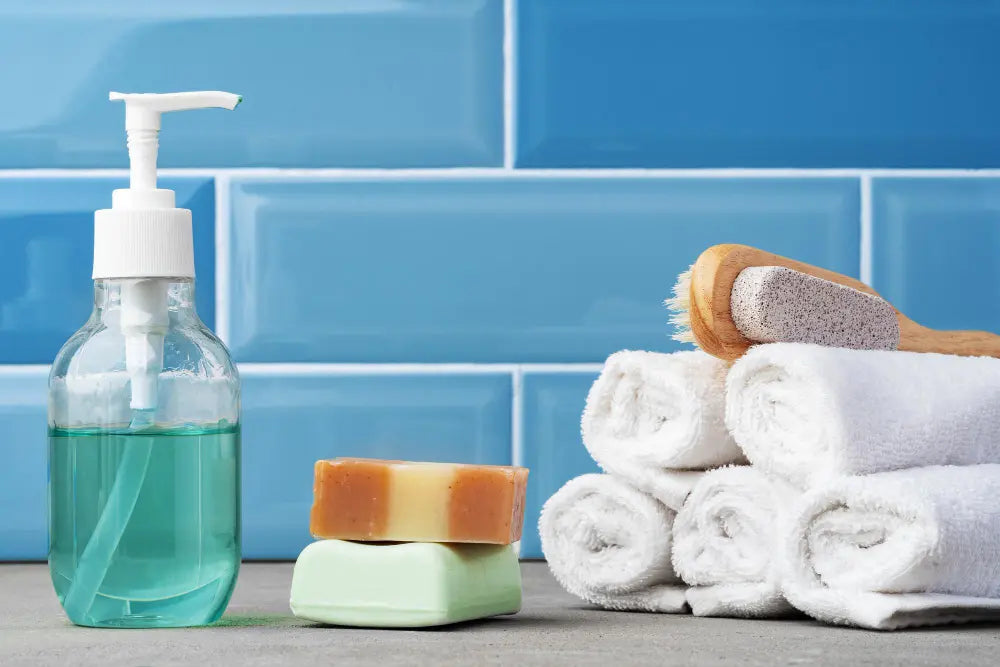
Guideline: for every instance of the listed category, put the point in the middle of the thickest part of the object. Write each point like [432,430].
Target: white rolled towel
[810,413]
[897,549]
[726,543]
[609,544]
[649,414]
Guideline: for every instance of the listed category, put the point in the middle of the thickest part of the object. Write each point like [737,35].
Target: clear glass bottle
[144,505]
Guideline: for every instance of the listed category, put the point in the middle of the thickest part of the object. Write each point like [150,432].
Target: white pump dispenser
[145,238]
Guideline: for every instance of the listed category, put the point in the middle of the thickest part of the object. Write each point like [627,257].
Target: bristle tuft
[684,336]
[680,306]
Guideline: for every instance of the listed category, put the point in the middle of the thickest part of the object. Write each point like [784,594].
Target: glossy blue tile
[291,421]
[338,83]
[550,440]
[934,249]
[47,238]
[516,269]
[743,83]
[23,471]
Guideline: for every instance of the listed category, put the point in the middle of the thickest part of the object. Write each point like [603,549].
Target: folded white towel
[649,413]
[897,549]
[726,540]
[810,413]
[609,544]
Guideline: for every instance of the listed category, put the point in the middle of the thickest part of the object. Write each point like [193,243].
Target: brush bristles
[680,306]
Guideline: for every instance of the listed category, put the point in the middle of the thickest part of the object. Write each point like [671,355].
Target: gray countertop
[553,628]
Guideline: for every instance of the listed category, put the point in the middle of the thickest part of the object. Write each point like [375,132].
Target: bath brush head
[771,304]
[680,309]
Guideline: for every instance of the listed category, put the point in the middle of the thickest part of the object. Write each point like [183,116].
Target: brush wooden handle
[916,338]
[716,269]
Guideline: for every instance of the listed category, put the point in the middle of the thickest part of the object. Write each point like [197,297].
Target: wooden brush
[735,296]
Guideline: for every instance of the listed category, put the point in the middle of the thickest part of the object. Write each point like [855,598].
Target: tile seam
[222,241]
[10,370]
[509,83]
[336,368]
[502,173]
[516,418]
[865,254]
[322,368]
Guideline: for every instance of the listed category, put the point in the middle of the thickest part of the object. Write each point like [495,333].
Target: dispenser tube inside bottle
[144,322]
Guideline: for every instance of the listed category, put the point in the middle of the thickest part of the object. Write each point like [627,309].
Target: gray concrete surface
[552,629]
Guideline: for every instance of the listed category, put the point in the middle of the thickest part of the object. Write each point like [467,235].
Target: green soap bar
[404,585]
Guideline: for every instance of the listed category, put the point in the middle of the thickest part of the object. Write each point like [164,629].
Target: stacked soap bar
[366,499]
[410,544]
[407,585]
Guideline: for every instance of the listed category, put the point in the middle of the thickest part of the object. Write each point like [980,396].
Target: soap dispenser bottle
[144,400]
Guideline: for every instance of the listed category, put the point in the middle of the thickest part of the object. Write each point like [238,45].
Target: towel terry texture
[811,413]
[726,541]
[897,549]
[609,544]
[651,416]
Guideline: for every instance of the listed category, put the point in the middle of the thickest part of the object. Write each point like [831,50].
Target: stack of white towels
[859,487]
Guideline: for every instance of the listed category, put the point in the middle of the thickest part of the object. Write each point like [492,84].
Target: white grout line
[284,368]
[509,83]
[929,173]
[501,173]
[222,238]
[104,173]
[310,368]
[23,370]
[516,424]
[265,369]
[562,368]
[865,270]
[63,173]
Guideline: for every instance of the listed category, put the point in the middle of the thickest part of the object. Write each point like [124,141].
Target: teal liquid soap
[144,526]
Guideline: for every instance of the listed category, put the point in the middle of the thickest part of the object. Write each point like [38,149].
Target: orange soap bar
[400,501]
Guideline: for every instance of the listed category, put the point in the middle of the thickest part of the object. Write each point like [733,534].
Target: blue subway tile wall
[291,421]
[46,236]
[935,243]
[743,83]
[23,500]
[346,83]
[550,441]
[414,225]
[498,270]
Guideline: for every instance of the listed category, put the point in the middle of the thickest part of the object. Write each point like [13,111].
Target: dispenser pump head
[143,234]
[142,124]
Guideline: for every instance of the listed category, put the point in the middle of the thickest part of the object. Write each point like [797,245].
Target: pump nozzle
[142,110]
[142,123]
